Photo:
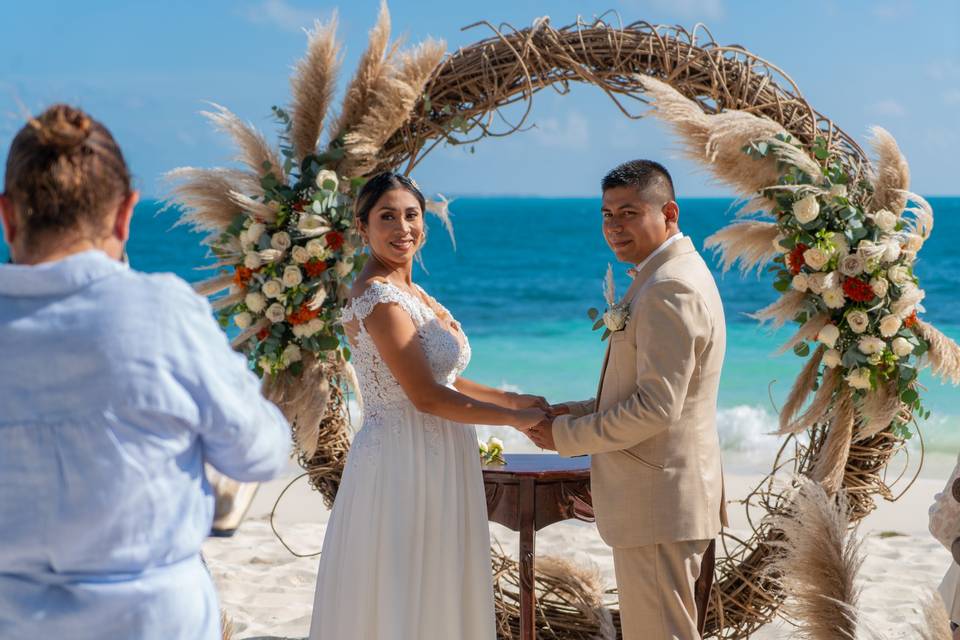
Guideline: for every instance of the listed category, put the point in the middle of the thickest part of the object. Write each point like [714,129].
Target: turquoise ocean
[525,271]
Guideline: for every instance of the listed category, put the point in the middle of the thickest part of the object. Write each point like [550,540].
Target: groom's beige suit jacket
[656,474]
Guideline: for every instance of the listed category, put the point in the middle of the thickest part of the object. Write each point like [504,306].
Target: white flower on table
[806,209]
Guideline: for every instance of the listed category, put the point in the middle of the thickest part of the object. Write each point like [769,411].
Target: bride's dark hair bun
[62,128]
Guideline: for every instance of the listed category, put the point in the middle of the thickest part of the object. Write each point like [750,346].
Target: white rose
[859,378]
[276,312]
[324,176]
[901,346]
[885,220]
[291,354]
[343,268]
[829,335]
[838,191]
[255,301]
[815,258]
[880,286]
[316,248]
[891,251]
[815,282]
[615,318]
[292,276]
[889,325]
[834,298]
[243,320]
[869,345]
[299,330]
[272,288]
[495,442]
[898,274]
[857,321]
[806,209]
[832,358]
[851,265]
[281,241]
[300,255]
[252,260]
[800,282]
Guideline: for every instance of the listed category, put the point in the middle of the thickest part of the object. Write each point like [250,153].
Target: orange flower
[241,276]
[911,321]
[303,315]
[263,333]
[315,267]
[795,258]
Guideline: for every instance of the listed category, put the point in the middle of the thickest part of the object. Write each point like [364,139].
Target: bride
[406,555]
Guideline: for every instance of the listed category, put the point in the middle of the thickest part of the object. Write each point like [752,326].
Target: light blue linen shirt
[115,388]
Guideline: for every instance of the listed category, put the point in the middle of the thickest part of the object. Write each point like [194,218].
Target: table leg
[528,614]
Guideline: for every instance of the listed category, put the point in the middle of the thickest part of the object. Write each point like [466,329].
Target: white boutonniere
[491,451]
[616,315]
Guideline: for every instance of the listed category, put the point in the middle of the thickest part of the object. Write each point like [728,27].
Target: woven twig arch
[469,88]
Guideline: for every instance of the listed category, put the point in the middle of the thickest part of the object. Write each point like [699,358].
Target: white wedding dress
[406,555]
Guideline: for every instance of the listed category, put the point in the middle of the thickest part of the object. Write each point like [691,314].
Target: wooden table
[532,491]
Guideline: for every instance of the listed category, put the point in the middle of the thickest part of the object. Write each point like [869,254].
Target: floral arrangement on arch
[846,260]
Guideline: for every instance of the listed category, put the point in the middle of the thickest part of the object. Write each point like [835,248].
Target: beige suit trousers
[656,585]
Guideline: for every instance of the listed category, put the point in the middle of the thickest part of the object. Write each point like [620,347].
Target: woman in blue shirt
[115,388]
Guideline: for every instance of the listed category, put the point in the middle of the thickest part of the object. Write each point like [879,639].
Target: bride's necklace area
[445,319]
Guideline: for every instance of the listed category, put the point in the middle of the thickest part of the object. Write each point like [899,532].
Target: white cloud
[889,108]
[280,13]
[891,10]
[571,131]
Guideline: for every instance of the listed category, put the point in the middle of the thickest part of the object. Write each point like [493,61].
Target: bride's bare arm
[507,399]
[395,336]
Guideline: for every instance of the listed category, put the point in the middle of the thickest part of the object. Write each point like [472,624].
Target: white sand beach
[268,593]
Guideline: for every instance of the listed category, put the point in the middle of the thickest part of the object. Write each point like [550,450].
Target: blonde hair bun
[62,128]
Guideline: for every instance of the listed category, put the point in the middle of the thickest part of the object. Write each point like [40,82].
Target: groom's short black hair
[642,174]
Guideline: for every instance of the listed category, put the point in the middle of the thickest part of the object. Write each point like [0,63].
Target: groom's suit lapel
[680,247]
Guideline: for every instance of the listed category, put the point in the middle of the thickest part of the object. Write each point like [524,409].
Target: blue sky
[146,68]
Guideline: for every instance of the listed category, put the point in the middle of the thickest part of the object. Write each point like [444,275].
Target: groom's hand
[542,434]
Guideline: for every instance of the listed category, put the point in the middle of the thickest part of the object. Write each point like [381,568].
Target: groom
[656,480]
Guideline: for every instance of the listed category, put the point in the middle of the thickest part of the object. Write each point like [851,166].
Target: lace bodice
[448,357]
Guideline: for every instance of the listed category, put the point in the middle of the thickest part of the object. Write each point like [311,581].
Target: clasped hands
[541,433]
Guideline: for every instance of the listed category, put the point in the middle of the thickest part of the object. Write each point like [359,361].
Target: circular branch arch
[471,86]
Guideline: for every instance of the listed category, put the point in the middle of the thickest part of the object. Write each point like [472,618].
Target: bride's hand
[526,419]
[528,401]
